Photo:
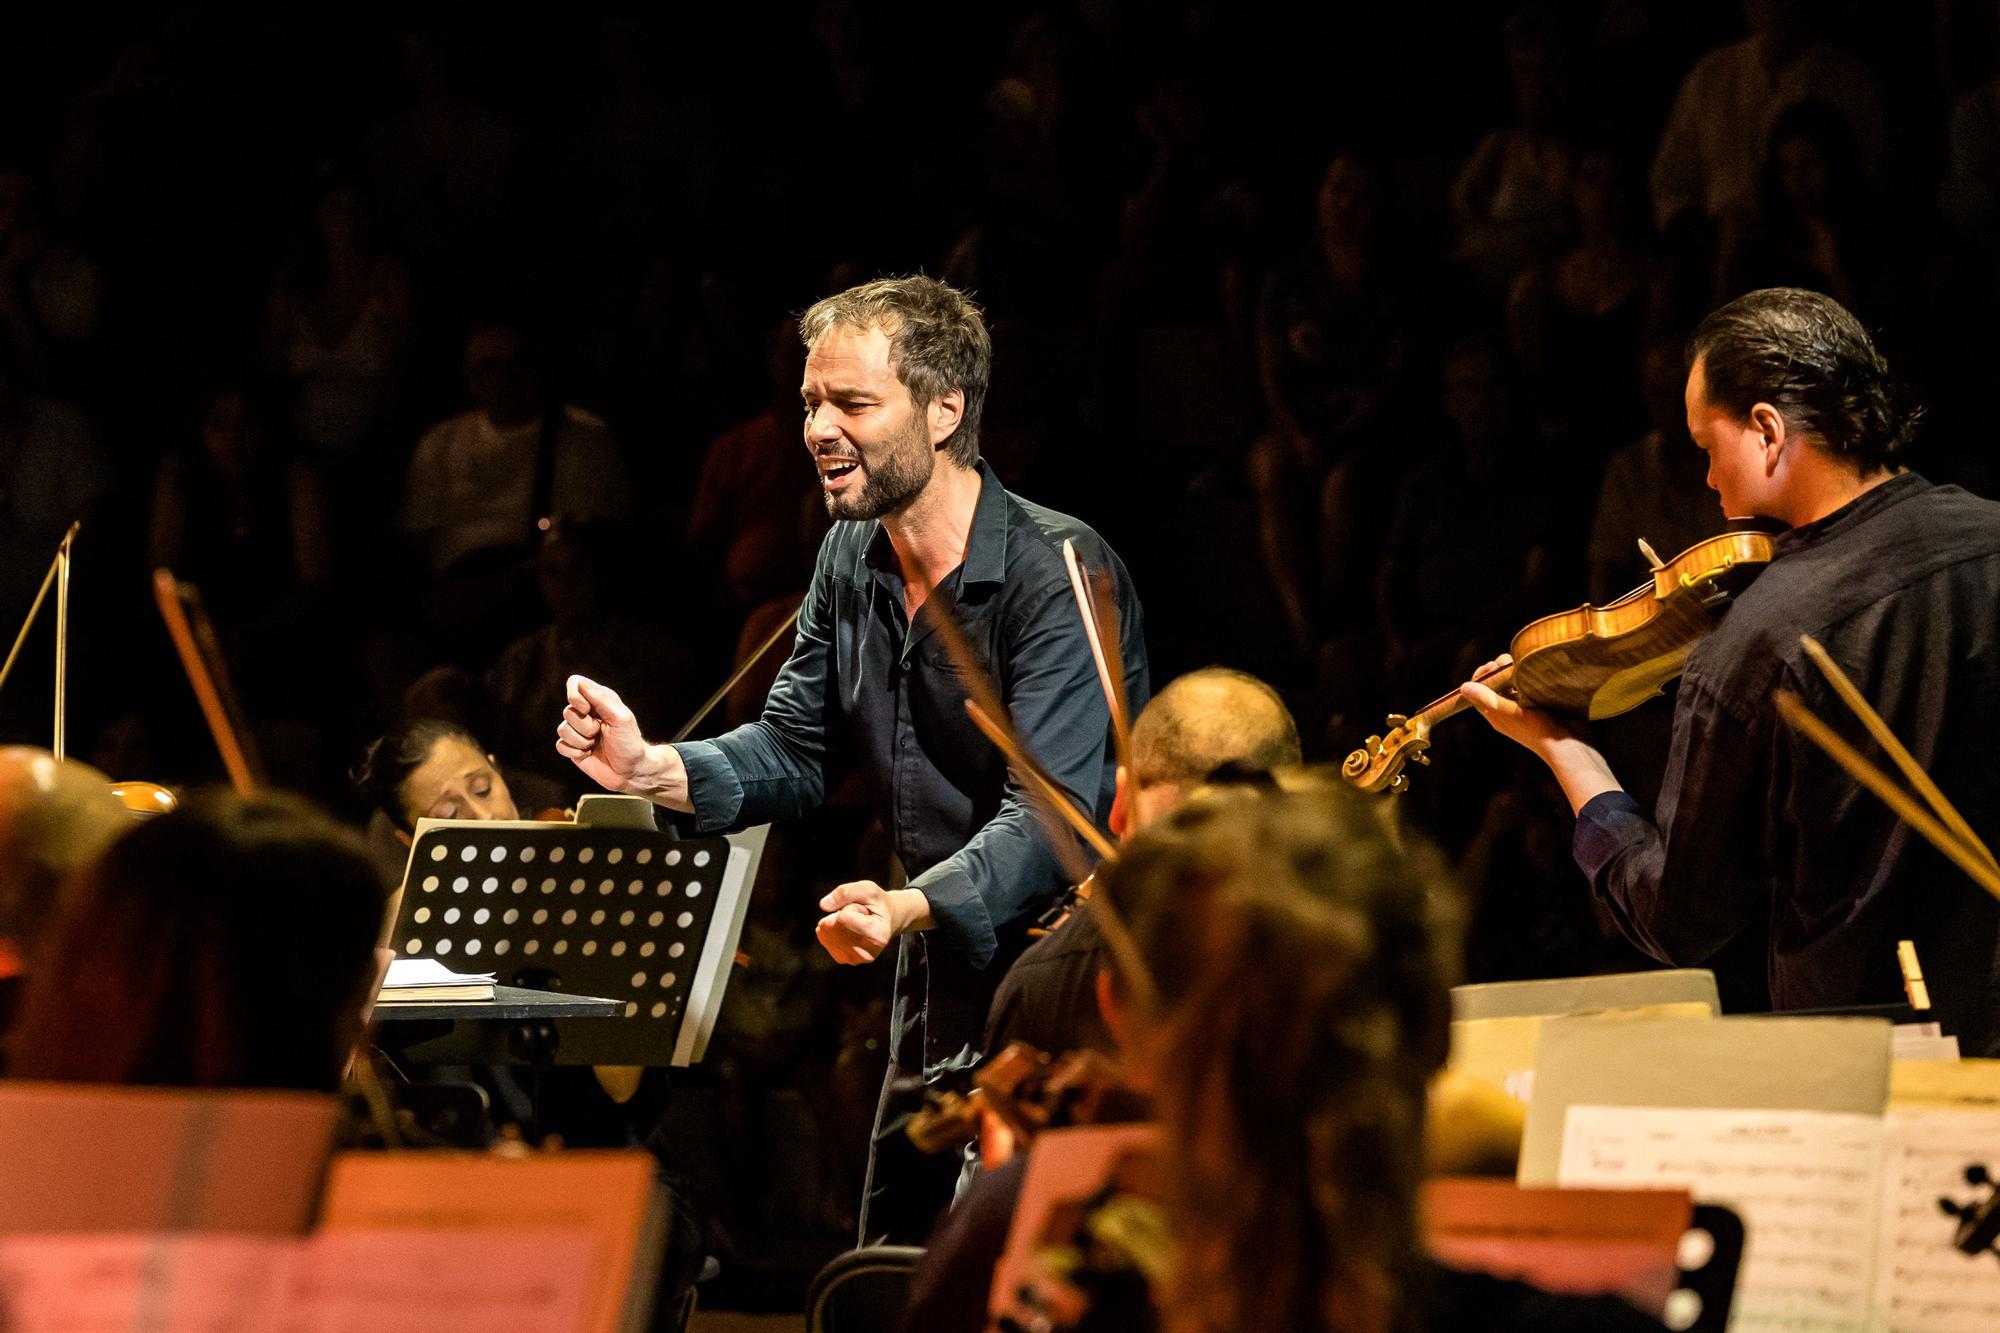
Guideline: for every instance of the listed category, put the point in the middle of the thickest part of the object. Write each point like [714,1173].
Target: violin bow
[208,672]
[58,578]
[1906,762]
[1055,807]
[1099,610]
[736,676]
[1801,720]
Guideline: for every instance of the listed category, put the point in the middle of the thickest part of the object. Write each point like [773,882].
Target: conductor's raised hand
[600,736]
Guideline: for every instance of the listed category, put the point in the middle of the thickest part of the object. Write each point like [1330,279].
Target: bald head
[1200,722]
[53,818]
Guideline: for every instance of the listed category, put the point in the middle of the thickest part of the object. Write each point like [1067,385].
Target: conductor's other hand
[599,735]
[859,922]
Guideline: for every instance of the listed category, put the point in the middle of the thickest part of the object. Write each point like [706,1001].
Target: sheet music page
[440,1282]
[436,1281]
[1806,1184]
[113,1282]
[1923,1284]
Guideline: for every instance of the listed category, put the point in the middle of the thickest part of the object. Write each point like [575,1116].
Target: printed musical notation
[1923,1284]
[443,1282]
[1806,1183]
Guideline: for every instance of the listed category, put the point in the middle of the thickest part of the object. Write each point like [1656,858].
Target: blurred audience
[230,944]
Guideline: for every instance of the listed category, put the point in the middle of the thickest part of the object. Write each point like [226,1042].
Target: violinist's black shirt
[1755,826]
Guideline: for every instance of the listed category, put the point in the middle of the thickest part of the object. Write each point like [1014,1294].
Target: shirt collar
[985,546]
[1858,510]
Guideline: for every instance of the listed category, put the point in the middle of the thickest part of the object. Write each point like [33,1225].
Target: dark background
[1345,403]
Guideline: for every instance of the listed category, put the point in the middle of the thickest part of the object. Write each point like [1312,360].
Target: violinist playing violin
[1899,579]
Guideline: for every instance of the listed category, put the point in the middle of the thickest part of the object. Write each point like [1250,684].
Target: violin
[1020,1092]
[1594,662]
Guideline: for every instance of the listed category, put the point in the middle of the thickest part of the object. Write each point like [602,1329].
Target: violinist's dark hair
[390,760]
[1804,354]
[1293,960]
[229,944]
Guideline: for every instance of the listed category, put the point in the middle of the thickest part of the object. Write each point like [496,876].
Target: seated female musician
[229,944]
[1278,988]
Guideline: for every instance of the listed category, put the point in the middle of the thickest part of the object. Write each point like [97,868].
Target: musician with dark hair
[1756,830]
[894,387]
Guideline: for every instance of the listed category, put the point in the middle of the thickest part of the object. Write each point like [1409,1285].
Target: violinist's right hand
[599,734]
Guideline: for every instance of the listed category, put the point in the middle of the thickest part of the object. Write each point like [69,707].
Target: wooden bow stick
[208,673]
[1099,609]
[1945,830]
[1054,806]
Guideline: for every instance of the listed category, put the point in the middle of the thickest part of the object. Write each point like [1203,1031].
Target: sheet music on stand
[606,905]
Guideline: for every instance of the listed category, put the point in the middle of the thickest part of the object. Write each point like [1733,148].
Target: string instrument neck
[1450,705]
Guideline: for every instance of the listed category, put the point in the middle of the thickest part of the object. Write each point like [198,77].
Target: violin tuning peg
[1400,784]
[1397,720]
[1374,744]
[1421,758]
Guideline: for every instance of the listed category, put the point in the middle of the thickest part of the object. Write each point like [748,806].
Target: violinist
[1755,830]
[895,381]
[1195,725]
[1283,1004]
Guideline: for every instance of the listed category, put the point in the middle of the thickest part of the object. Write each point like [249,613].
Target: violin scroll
[1378,765]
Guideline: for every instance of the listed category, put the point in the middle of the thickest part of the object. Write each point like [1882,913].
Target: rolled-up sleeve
[1049,687]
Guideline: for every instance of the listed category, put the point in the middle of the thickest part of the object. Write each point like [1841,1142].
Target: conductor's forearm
[662,778]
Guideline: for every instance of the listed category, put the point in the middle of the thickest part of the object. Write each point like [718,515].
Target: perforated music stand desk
[605,906]
[508,1003]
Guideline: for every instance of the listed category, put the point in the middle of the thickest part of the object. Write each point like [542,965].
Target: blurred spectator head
[1785,26]
[1610,197]
[54,817]
[1350,200]
[1479,399]
[1812,165]
[1537,65]
[1663,382]
[1279,985]
[1803,355]
[233,428]
[228,944]
[1200,723]
[503,373]
[573,565]
[432,769]
[938,345]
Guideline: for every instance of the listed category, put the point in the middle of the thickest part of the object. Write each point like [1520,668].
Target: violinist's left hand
[1531,727]
[862,917]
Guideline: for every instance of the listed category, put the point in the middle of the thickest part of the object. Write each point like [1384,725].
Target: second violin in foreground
[1594,662]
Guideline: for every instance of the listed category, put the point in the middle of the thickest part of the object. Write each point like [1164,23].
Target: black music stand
[607,905]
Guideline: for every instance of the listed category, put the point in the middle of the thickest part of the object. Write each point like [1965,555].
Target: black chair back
[862,1291]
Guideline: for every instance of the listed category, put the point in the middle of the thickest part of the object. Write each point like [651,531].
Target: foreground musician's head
[894,387]
[228,944]
[1793,405]
[1284,999]
[1199,723]
[432,769]
[53,818]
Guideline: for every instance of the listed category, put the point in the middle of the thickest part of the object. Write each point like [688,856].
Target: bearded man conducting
[895,380]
